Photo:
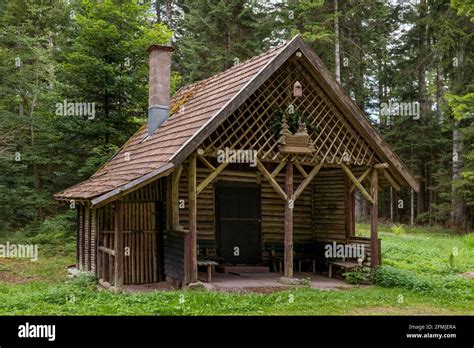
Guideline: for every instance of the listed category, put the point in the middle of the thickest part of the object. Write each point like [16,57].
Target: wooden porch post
[374,239]
[175,197]
[350,208]
[118,259]
[191,249]
[289,221]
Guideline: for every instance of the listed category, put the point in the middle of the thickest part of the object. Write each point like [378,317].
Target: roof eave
[133,185]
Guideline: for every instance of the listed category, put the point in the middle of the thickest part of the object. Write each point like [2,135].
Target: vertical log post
[391,204]
[353,215]
[289,221]
[175,197]
[374,238]
[169,202]
[350,209]
[118,259]
[192,235]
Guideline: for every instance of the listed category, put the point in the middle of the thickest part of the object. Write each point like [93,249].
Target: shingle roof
[191,107]
[199,108]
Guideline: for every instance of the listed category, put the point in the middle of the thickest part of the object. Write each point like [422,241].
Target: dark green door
[238,223]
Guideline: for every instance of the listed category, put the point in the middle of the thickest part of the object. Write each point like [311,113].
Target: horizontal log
[381,166]
[107,250]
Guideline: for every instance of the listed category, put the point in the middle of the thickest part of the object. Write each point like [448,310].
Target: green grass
[417,278]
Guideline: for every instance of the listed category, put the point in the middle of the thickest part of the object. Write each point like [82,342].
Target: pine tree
[27,72]
[215,34]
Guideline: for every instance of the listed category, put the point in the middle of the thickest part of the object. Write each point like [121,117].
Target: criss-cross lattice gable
[249,127]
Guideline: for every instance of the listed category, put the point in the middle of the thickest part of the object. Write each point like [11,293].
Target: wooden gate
[141,240]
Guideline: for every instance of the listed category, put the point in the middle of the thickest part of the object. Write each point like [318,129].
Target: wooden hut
[257,163]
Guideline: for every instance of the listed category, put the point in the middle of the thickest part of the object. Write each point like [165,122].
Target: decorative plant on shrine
[292,128]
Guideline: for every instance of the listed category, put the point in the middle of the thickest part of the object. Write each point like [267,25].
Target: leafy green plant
[56,230]
[451,261]
[292,120]
[468,239]
[397,229]
[452,258]
[357,275]
[391,277]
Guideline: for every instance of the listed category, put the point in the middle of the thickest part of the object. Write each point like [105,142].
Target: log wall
[86,238]
[272,207]
[273,212]
[319,215]
[174,256]
[329,206]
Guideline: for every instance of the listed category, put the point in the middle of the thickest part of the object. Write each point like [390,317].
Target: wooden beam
[107,250]
[391,180]
[192,235]
[357,183]
[361,178]
[301,170]
[206,162]
[350,209]
[211,177]
[381,166]
[288,244]
[307,181]
[175,197]
[278,169]
[374,239]
[118,259]
[271,180]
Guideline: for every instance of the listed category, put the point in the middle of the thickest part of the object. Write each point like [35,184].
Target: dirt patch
[9,273]
[254,290]
[161,286]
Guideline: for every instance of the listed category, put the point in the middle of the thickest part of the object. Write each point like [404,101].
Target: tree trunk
[337,47]
[169,13]
[158,11]
[457,213]
[425,111]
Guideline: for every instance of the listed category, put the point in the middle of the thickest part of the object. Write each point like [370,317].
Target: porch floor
[267,282]
[249,282]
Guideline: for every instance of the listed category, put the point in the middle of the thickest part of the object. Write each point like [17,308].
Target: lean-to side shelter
[193,185]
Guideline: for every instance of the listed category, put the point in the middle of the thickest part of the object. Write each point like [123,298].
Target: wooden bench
[305,252]
[301,253]
[207,256]
[276,252]
[210,266]
[345,265]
